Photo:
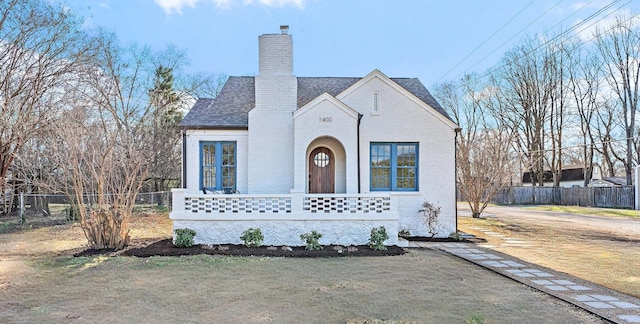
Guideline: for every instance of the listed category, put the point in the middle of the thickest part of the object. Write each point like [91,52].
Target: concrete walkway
[604,302]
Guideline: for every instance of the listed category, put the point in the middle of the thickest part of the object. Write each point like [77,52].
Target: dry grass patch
[422,286]
[600,257]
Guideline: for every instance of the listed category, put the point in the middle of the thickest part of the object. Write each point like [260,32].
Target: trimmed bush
[184,237]
[252,237]
[311,240]
[378,236]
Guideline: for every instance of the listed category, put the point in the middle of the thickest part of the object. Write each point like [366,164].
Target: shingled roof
[230,109]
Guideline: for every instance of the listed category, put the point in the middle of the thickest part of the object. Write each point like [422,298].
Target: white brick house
[291,154]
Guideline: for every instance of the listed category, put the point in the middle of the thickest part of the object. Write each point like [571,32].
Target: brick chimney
[276,53]
[270,137]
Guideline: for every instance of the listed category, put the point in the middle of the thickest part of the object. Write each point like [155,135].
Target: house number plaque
[325,119]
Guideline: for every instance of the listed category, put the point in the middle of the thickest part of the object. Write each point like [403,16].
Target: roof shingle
[230,109]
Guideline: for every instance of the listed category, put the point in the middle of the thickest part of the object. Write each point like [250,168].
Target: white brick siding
[327,122]
[194,137]
[275,54]
[401,119]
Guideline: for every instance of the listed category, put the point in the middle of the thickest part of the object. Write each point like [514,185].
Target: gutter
[184,159]
[358,149]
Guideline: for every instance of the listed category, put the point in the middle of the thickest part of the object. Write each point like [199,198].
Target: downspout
[358,148]
[455,172]
[184,159]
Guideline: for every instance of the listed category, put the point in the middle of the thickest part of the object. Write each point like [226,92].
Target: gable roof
[230,109]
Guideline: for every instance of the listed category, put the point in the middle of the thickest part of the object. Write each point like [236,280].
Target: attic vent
[284,29]
[375,110]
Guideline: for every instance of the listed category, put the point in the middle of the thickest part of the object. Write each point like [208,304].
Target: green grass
[606,212]
[475,318]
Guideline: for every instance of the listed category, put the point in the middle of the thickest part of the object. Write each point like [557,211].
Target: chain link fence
[25,210]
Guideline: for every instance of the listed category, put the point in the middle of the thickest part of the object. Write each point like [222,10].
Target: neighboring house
[291,154]
[609,182]
[572,176]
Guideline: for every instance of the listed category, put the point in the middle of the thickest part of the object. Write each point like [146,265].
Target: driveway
[620,226]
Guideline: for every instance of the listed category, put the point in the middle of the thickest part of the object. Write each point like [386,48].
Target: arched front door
[321,171]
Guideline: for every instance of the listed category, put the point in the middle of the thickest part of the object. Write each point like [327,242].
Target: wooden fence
[607,197]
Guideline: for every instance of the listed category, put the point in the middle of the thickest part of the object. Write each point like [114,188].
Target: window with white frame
[218,165]
[394,167]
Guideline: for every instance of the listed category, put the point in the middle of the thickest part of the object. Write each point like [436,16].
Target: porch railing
[346,204]
[198,203]
[201,203]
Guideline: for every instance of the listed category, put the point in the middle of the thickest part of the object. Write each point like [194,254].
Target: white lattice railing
[346,204]
[236,204]
[203,204]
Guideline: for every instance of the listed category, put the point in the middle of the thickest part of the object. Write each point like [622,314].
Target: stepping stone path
[609,304]
[507,241]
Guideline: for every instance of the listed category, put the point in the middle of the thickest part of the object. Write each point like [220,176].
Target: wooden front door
[321,171]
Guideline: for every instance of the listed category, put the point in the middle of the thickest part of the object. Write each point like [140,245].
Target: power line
[557,36]
[578,25]
[486,40]
[510,38]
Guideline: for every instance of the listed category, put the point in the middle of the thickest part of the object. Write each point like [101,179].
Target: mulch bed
[166,248]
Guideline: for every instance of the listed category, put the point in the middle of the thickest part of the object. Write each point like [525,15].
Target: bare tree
[37,170]
[561,52]
[584,86]
[526,82]
[41,44]
[106,139]
[619,48]
[482,148]
[606,130]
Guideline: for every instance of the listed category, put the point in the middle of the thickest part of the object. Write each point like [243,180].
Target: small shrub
[456,236]
[431,214]
[252,237]
[311,240]
[184,237]
[378,236]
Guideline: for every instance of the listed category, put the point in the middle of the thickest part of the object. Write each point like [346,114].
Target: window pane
[208,165]
[218,170]
[380,166]
[406,155]
[394,166]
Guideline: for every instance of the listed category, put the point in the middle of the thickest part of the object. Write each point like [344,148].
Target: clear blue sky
[413,38]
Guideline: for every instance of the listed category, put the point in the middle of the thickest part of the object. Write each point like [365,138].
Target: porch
[345,219]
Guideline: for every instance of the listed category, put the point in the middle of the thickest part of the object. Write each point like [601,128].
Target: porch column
[178,195]
[297,201]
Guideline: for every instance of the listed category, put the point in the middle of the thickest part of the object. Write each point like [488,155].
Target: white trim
[379,75]
[325,97]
